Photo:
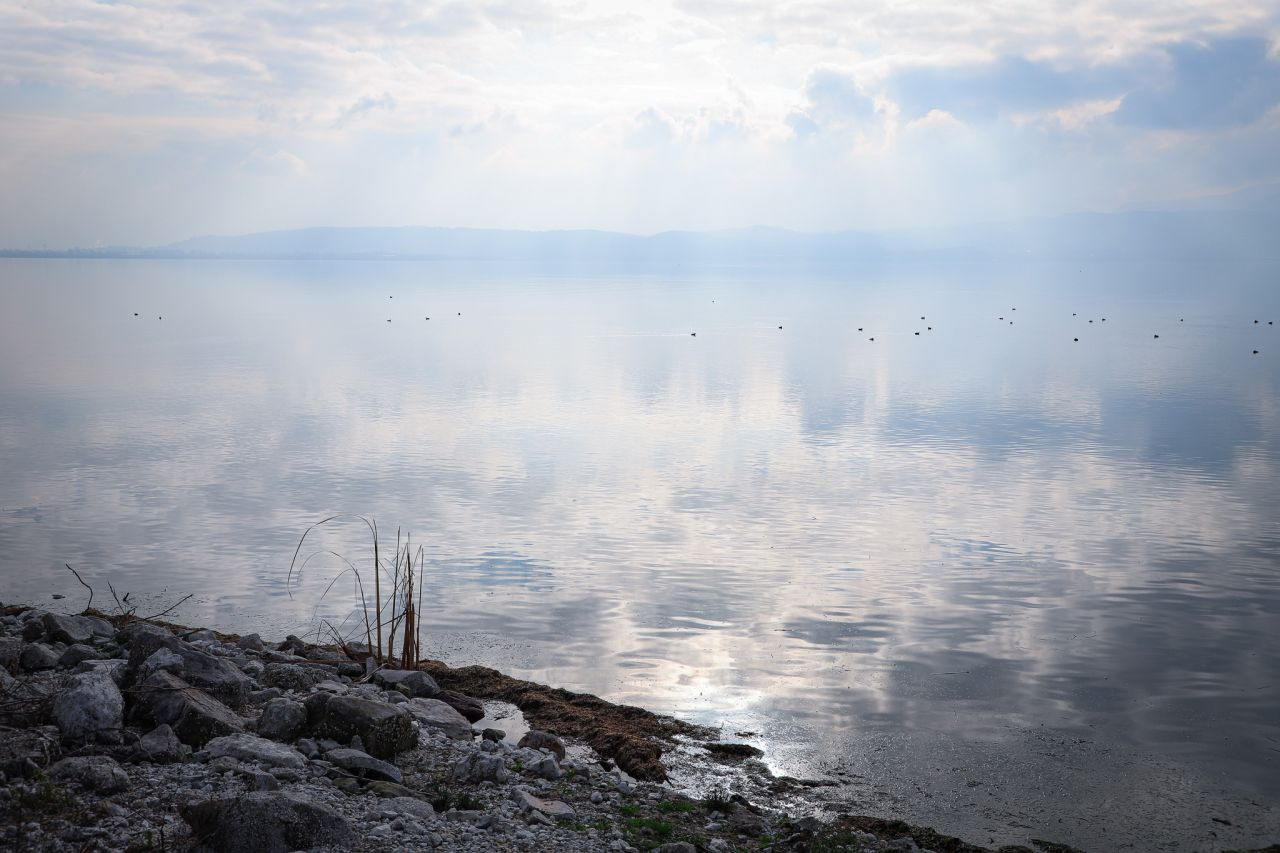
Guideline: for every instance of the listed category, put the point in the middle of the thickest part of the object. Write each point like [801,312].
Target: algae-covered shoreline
[126,734]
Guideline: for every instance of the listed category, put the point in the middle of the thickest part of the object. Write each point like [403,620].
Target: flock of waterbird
[922,317]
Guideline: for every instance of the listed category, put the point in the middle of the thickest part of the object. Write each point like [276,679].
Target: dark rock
[161,746]
[349,785]
[37,656]
[251,643]
[391,790]
[112,668]
[134,631]
[203,635]
[33,628]
[77,654]
[99,773]
[288,676]
[409,681]
[438,715]
[282,719]
[384,729]
[10,652]
[90,709]
[468,707]
[27,750]
[196,717]
[747,822]
[216,676]
[551,808]
[495,735]
[363,764]
[411,806]
[161,659]
[60,628]
[478,767]
[535,739]
[246,747]
[545,768]
[265,822]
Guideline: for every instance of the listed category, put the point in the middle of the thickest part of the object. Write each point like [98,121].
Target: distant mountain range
[1239,234]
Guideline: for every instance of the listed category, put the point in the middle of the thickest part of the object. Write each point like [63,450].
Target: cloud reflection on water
[969,534]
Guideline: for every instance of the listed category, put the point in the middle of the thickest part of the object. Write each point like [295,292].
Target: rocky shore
[126,735]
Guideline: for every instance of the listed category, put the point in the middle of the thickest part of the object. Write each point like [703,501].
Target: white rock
[91,708]
[247,747]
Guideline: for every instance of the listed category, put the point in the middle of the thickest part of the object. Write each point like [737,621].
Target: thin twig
[83,584]
[169,609]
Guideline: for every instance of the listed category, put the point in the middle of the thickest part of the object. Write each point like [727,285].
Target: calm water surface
[1002,582]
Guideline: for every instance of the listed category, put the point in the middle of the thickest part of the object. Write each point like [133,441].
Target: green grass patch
[674,806]
[658,830]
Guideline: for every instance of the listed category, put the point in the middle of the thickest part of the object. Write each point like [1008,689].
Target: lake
[1017,575]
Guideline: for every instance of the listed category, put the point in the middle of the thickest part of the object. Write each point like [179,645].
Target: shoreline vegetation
[129,734]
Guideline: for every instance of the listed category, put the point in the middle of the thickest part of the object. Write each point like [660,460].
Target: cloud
[1005,85]
[832,98]
[1215,84]
[705,113]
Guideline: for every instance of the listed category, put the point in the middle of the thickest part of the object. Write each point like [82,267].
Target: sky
[148,122]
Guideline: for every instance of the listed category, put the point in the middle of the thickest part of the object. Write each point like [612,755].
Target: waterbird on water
[1155,336]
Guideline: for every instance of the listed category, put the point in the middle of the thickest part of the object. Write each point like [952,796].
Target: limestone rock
[251,643]
[246,747]
[535,739]
[37,656]
[265,822]
[465,705]
[365,765]
[551,808]
[478,767]
[161,746]
[91,708]
[77,654]
[27,750]
[282,719]
[99,773]
[10,652]
[412,682]
[545,768]
[61,628]
[437,715]
[383,729]
[195,716]
[216,676]
[289,676]
[412,806]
